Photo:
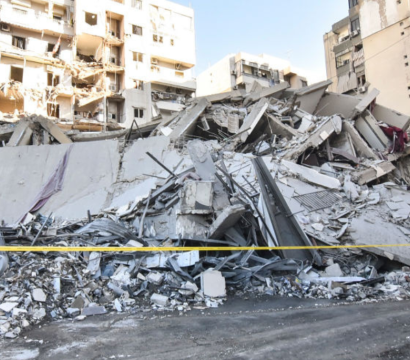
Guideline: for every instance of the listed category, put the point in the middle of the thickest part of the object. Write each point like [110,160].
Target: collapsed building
[272,168]
[95,65]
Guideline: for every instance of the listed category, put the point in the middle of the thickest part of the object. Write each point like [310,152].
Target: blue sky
[288,29]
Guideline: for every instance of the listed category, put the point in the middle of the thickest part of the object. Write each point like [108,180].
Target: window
[137,30]
[53,110]
[304,83]
[155,69]
[179,74]
[139,85]
[19,42]
[172,42]
[137,57]
[340,62]
[352,3]
[16,74]
[137,4]
[91,19]
[158,38]
[138,113]
[56,17]
[50,48]
[355,25]
[53,80]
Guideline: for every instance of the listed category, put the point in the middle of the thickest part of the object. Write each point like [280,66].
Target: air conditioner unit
[362,89]
[154,61]
[5,27]
[178,66]
[113,87]
[233,72]
[355,33]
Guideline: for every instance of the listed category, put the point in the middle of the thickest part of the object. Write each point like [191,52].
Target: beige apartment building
[243,71]
[98,62]
[370,48]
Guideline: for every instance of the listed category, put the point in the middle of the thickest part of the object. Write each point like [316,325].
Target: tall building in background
[370,48]
[243,71]
[96,61]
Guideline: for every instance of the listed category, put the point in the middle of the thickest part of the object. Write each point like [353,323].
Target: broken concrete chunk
[228,218]
[197,197]
[8,306]
[213,284]
[155,278]
[334,271]
[160,300]
[94,310]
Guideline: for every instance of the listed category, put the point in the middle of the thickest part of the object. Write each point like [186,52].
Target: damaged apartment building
[370,49]
[248,72]
[95,65]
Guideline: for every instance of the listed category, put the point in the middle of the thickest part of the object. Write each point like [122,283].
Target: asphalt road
[242,329]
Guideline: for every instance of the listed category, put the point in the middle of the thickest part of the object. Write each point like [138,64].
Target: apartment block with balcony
[369,49]
[101,64]
[244,71]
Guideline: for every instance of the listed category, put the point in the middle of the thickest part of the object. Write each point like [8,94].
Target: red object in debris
[398,136]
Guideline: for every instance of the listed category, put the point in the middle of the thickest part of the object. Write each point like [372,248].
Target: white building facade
[243,71]
[101,61]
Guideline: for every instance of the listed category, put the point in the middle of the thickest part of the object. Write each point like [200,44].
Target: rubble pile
[274,168]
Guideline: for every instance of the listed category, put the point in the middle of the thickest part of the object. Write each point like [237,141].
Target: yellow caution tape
[185,249]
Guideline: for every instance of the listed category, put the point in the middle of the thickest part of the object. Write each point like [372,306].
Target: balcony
[33,20]
[168,77]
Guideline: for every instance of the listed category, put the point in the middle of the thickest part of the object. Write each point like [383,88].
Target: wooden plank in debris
[54,131]
[21,135]
[188,121]
[253,119]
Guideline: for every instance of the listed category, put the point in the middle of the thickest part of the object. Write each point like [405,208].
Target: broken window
[53,110]
[138,113]
[137,4]
[139,85]
[53,80]
[352,3]
[341,62]
[16,74]
[137,30]
[91,19]
[19,42]
[355,25]
[137,57]
[158,38]
[179,74]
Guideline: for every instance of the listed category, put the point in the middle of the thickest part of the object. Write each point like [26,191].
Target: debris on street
[275,168]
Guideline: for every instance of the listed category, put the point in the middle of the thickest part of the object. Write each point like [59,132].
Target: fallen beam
[332,125]
[188,121]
